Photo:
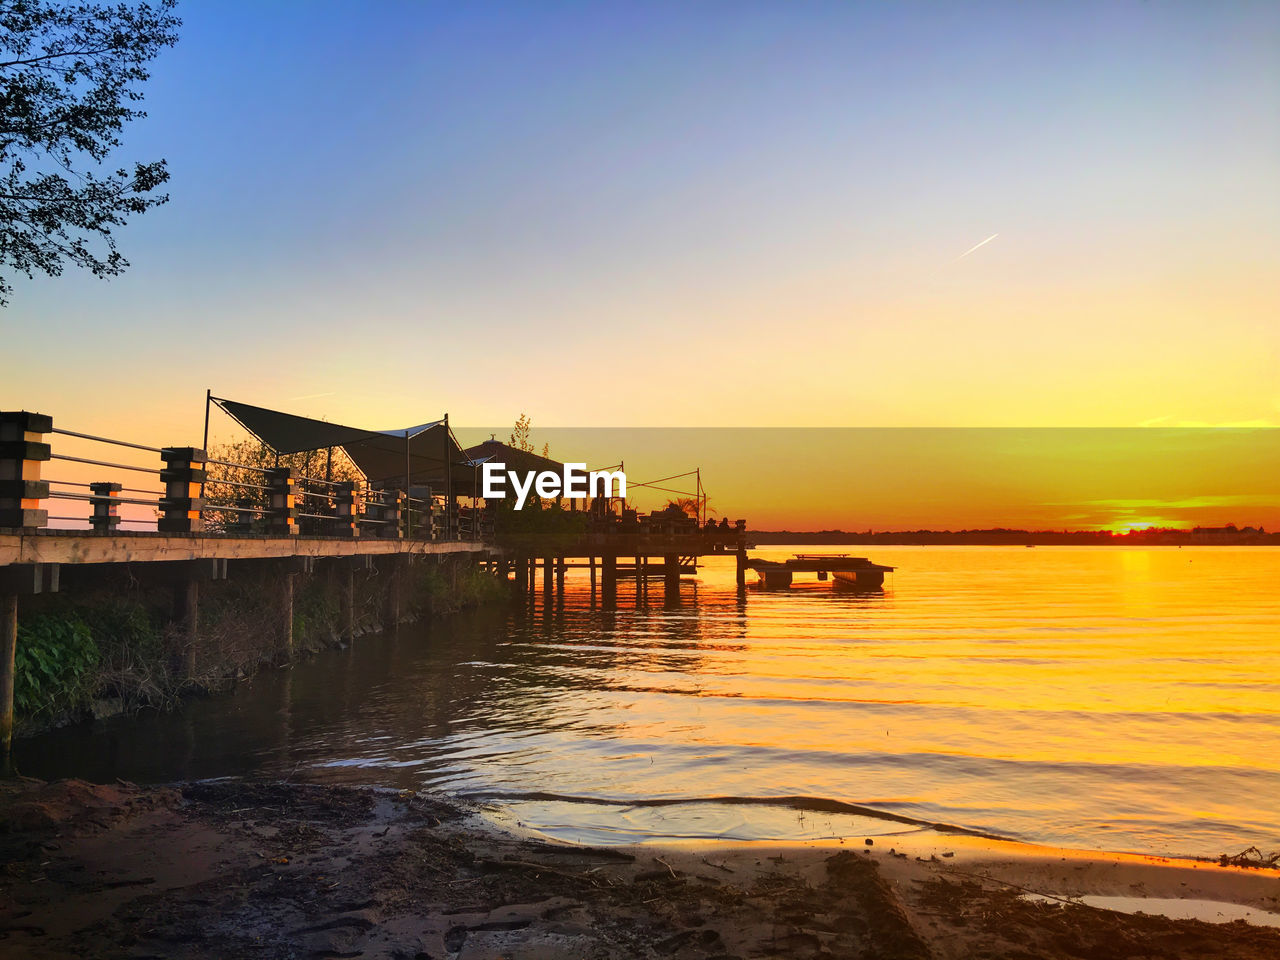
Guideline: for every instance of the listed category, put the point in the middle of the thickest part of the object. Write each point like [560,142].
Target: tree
[69,81]
[689,506]
[520,434]
[521,437]
[240,486]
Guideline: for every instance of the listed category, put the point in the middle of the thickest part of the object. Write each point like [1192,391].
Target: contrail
[975,247]
[310,396]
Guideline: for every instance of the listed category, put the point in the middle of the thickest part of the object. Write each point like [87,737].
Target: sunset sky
[721,214]
[950,478]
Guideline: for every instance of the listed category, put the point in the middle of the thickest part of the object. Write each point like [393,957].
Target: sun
[1131,525]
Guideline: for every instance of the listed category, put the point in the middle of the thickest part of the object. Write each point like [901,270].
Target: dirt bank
[267,870]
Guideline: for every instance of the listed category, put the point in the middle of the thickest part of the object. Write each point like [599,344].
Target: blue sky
[651,213]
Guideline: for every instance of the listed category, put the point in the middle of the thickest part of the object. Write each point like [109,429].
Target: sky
[720,214]
[949,478]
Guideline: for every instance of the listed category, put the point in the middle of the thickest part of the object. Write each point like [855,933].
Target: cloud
[1186,503]
[1168,421]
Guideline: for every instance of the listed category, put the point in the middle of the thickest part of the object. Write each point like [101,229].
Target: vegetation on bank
[546,524]
[117,648]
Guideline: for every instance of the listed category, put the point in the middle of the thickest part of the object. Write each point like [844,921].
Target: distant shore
[271,870]
[1229,536]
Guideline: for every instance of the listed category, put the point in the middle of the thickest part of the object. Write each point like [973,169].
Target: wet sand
[259,869]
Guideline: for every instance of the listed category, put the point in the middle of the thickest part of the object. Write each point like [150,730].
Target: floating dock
[857,572]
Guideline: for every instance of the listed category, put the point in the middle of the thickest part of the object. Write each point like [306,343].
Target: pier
[177,517]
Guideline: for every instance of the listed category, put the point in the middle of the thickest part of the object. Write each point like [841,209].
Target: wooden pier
[266,521]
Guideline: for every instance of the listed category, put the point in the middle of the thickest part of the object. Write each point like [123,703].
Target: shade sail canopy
[418,454]
[389,457]
[287,433]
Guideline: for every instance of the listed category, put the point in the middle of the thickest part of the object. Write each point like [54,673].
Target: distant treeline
[1229,535]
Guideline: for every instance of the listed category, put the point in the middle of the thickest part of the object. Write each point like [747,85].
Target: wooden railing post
[389,505]
[346,510]
[22,450]
[106,506]
[183,477]
[282,514]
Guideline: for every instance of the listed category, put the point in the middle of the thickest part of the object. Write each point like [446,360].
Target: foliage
[55,665]
[124,627]
[477,588]
[686,505]
[546,524]
[254,457]
[315,613]
[69,78]
[437,591]
[522,436]
[134,664]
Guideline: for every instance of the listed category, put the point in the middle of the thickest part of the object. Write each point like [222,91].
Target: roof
[513,458]
[418,453]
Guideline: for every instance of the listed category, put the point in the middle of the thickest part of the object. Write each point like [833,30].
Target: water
[1105,698]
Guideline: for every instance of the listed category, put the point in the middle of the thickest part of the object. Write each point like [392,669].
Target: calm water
[1120,698]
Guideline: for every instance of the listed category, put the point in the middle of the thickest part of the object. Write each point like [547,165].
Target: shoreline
[240,868]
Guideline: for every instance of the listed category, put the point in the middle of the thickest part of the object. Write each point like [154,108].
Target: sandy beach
[273,870]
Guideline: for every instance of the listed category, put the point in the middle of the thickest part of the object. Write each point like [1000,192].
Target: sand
[236,869]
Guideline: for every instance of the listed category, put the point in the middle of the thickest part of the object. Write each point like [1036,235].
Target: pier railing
[79,480]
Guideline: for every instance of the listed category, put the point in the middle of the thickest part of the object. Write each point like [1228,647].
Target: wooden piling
[286,615]
[347,602]
[8,665]
[608,580]
[671,580]
[742,566]
[391,603]
[560,574]
[546,574]
[188,610]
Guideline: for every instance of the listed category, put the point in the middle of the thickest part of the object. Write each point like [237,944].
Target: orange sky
[884,478]
[859,479]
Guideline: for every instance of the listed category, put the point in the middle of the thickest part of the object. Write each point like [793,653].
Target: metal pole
[208,396]
[408,498]
[448,484]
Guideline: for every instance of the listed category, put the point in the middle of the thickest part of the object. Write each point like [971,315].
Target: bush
[56,665]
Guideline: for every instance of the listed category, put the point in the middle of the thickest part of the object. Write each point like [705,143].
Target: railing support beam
[183,477]
[283,512]
[106,506]
[22,451]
